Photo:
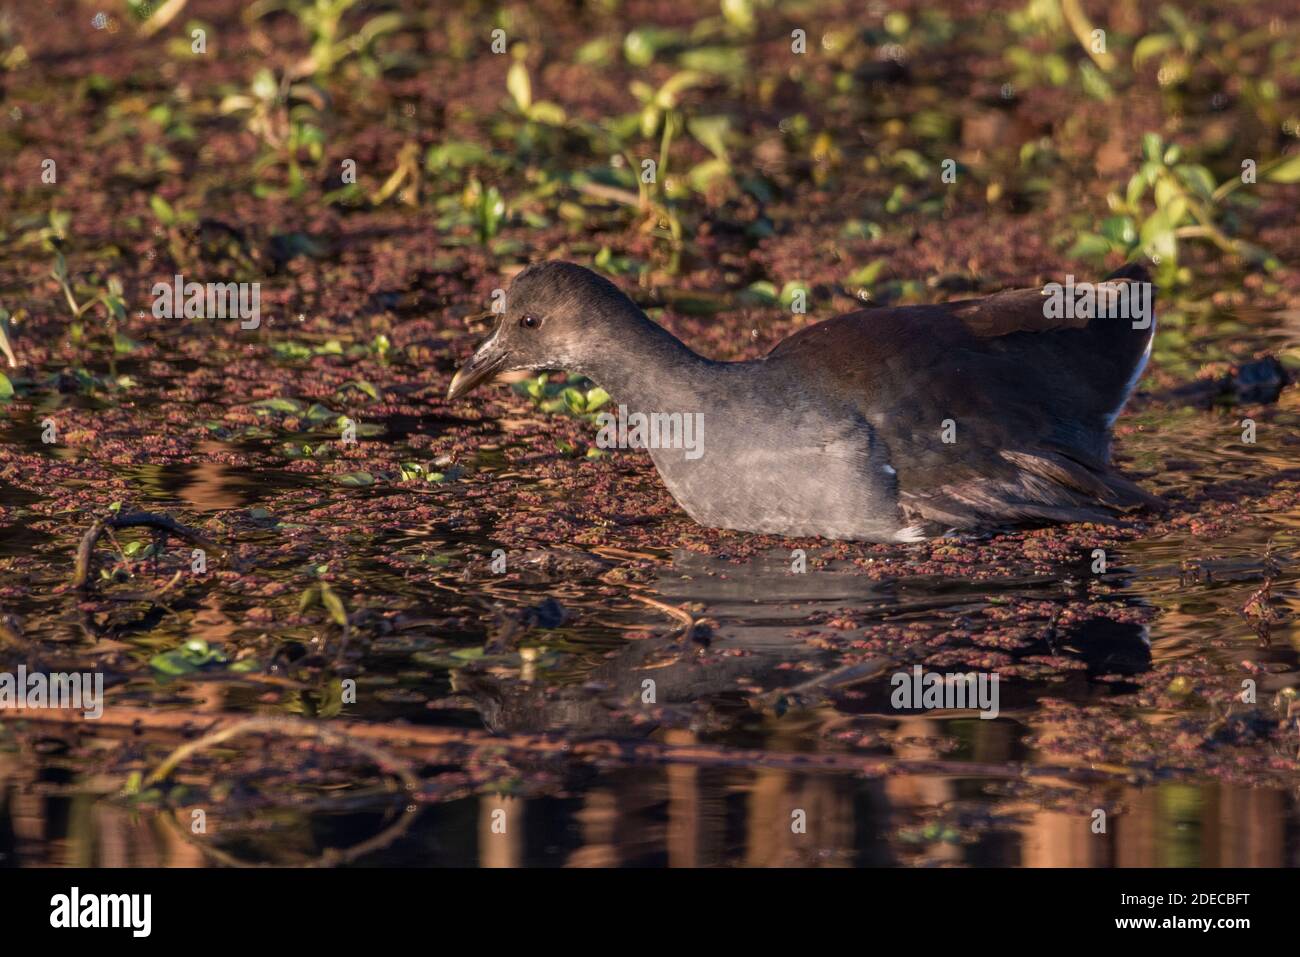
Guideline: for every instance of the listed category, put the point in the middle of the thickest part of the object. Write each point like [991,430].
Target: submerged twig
[821,685]
[688,621]
[163,523]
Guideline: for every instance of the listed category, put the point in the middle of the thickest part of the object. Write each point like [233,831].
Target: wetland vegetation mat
[329,617]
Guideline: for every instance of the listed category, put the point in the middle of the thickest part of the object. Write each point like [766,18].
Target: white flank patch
[1133,379]
[912,533]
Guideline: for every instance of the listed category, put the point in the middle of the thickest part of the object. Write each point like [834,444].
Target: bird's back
[990,407]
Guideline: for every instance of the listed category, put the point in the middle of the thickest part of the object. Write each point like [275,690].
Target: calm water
[954,794]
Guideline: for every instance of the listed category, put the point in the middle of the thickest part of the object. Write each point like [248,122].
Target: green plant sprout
[286,117]
[322,23]
[1184,204]
[81,300]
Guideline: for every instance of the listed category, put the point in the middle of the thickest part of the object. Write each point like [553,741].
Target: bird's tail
[1124,325]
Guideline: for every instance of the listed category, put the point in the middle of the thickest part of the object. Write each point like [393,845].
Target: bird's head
[556,315]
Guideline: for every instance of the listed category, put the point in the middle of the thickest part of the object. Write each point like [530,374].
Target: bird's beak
[487,360]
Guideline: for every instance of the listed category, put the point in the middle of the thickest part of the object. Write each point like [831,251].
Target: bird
[887,424]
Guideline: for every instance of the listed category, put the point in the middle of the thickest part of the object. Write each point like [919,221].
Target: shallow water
[1115,693]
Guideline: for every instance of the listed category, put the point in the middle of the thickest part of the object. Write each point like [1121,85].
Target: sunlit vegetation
[742,169]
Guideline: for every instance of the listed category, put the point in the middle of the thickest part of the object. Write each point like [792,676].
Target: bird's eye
[530,322]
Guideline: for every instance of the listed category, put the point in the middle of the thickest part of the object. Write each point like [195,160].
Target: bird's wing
[1028,399]
[1042,485]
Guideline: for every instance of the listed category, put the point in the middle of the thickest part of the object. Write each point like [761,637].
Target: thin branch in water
[688,621]
[163,523]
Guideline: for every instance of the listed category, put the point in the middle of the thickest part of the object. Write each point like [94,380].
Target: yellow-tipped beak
[482,365]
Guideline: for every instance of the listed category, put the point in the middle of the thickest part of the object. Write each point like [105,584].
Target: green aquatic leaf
[1152,46]
[366,387]
[288,406]
[308,598]
[712,132]
[729,62]
[1090,246]
[317,413]
[597,52]
[575,400]
[548,113]
[454,155]
[355,479]
[334,605]
[702,175]
[1157,237]
[740,14]
[1120,229]
[1286,171]
[868,274]
[189,657]
[793,288]
[162,210]
[520,86]
[291,350]
[761,291]
[643,44]
[1094,82]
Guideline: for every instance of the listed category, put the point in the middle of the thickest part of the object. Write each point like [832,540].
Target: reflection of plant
[321,594]
[1186,204]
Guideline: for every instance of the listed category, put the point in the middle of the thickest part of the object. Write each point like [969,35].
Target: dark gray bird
[888,424]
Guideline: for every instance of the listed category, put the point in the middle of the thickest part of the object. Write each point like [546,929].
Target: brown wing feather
[1032,398]
[1044,485]
[1019,310]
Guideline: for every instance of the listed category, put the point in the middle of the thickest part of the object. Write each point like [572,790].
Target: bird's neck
[651,370]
